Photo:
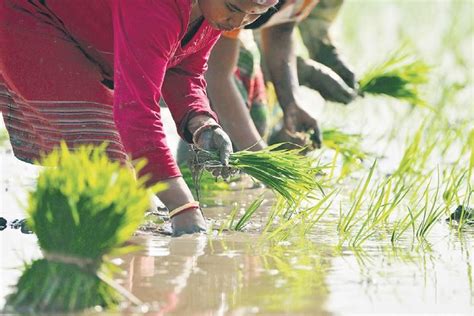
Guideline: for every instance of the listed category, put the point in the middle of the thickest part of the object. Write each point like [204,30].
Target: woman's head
[231,14]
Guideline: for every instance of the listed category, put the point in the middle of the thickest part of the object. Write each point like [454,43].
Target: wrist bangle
[183,208]
[201,129]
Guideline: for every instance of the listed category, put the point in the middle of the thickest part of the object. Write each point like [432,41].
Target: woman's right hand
[208,135]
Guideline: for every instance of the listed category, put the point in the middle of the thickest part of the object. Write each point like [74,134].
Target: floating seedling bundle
[399,76]
[287,172]
[82,211]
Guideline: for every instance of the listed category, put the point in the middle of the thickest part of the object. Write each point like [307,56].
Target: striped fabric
[36,127]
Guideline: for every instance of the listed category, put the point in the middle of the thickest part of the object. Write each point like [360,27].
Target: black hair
[266,16]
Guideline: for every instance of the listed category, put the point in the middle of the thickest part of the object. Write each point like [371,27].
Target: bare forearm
[278,48]
[176,194]
[226,99]
[233,114]
[279,55]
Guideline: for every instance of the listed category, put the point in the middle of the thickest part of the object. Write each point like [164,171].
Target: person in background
[235,82]
[91,71]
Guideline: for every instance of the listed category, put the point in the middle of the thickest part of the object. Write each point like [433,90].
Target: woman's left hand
[214,138]
[208,135]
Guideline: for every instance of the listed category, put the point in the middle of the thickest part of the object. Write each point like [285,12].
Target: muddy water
[236,274]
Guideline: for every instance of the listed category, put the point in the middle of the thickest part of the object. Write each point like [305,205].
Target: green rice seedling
[301,223]
[456,178]
[233,224]
[470,145]
[411,155]
[207,181]
[348,221]
[379,210]
[399,76]
[348,145]
[409,220]
[417,183]
[232,217]
[276,212]
[401,226]
[82,211]
[316,212]
[431,214]
[243,221]
[287,172]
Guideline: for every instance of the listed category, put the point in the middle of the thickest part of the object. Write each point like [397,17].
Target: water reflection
[202,276]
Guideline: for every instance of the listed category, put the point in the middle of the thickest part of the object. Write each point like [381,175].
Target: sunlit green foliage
[399,76]
[238,225]
[3,136]
[287,172]
[206,183]
[348,145]
[84,207]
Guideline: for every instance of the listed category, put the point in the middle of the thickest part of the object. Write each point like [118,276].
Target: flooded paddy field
[375,239]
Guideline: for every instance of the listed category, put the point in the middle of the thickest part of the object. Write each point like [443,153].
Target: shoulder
[149,16]
[163,9]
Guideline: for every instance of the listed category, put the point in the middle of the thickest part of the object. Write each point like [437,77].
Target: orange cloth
[234,34]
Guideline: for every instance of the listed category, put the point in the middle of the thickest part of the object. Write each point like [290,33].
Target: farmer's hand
[289,140]
[178,195]
[345,72]
[188,222]
[208,135]
[329,56]
[301,128]
[327,82]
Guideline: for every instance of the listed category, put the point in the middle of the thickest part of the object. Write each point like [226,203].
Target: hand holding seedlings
[287,172]
[209,136]
[297,120]
[170,64]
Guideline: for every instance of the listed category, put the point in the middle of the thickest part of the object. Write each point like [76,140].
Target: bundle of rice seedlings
[82,211]
[399,76]
[287,172]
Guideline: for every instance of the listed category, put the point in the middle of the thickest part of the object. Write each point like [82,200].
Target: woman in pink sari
[94,70]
